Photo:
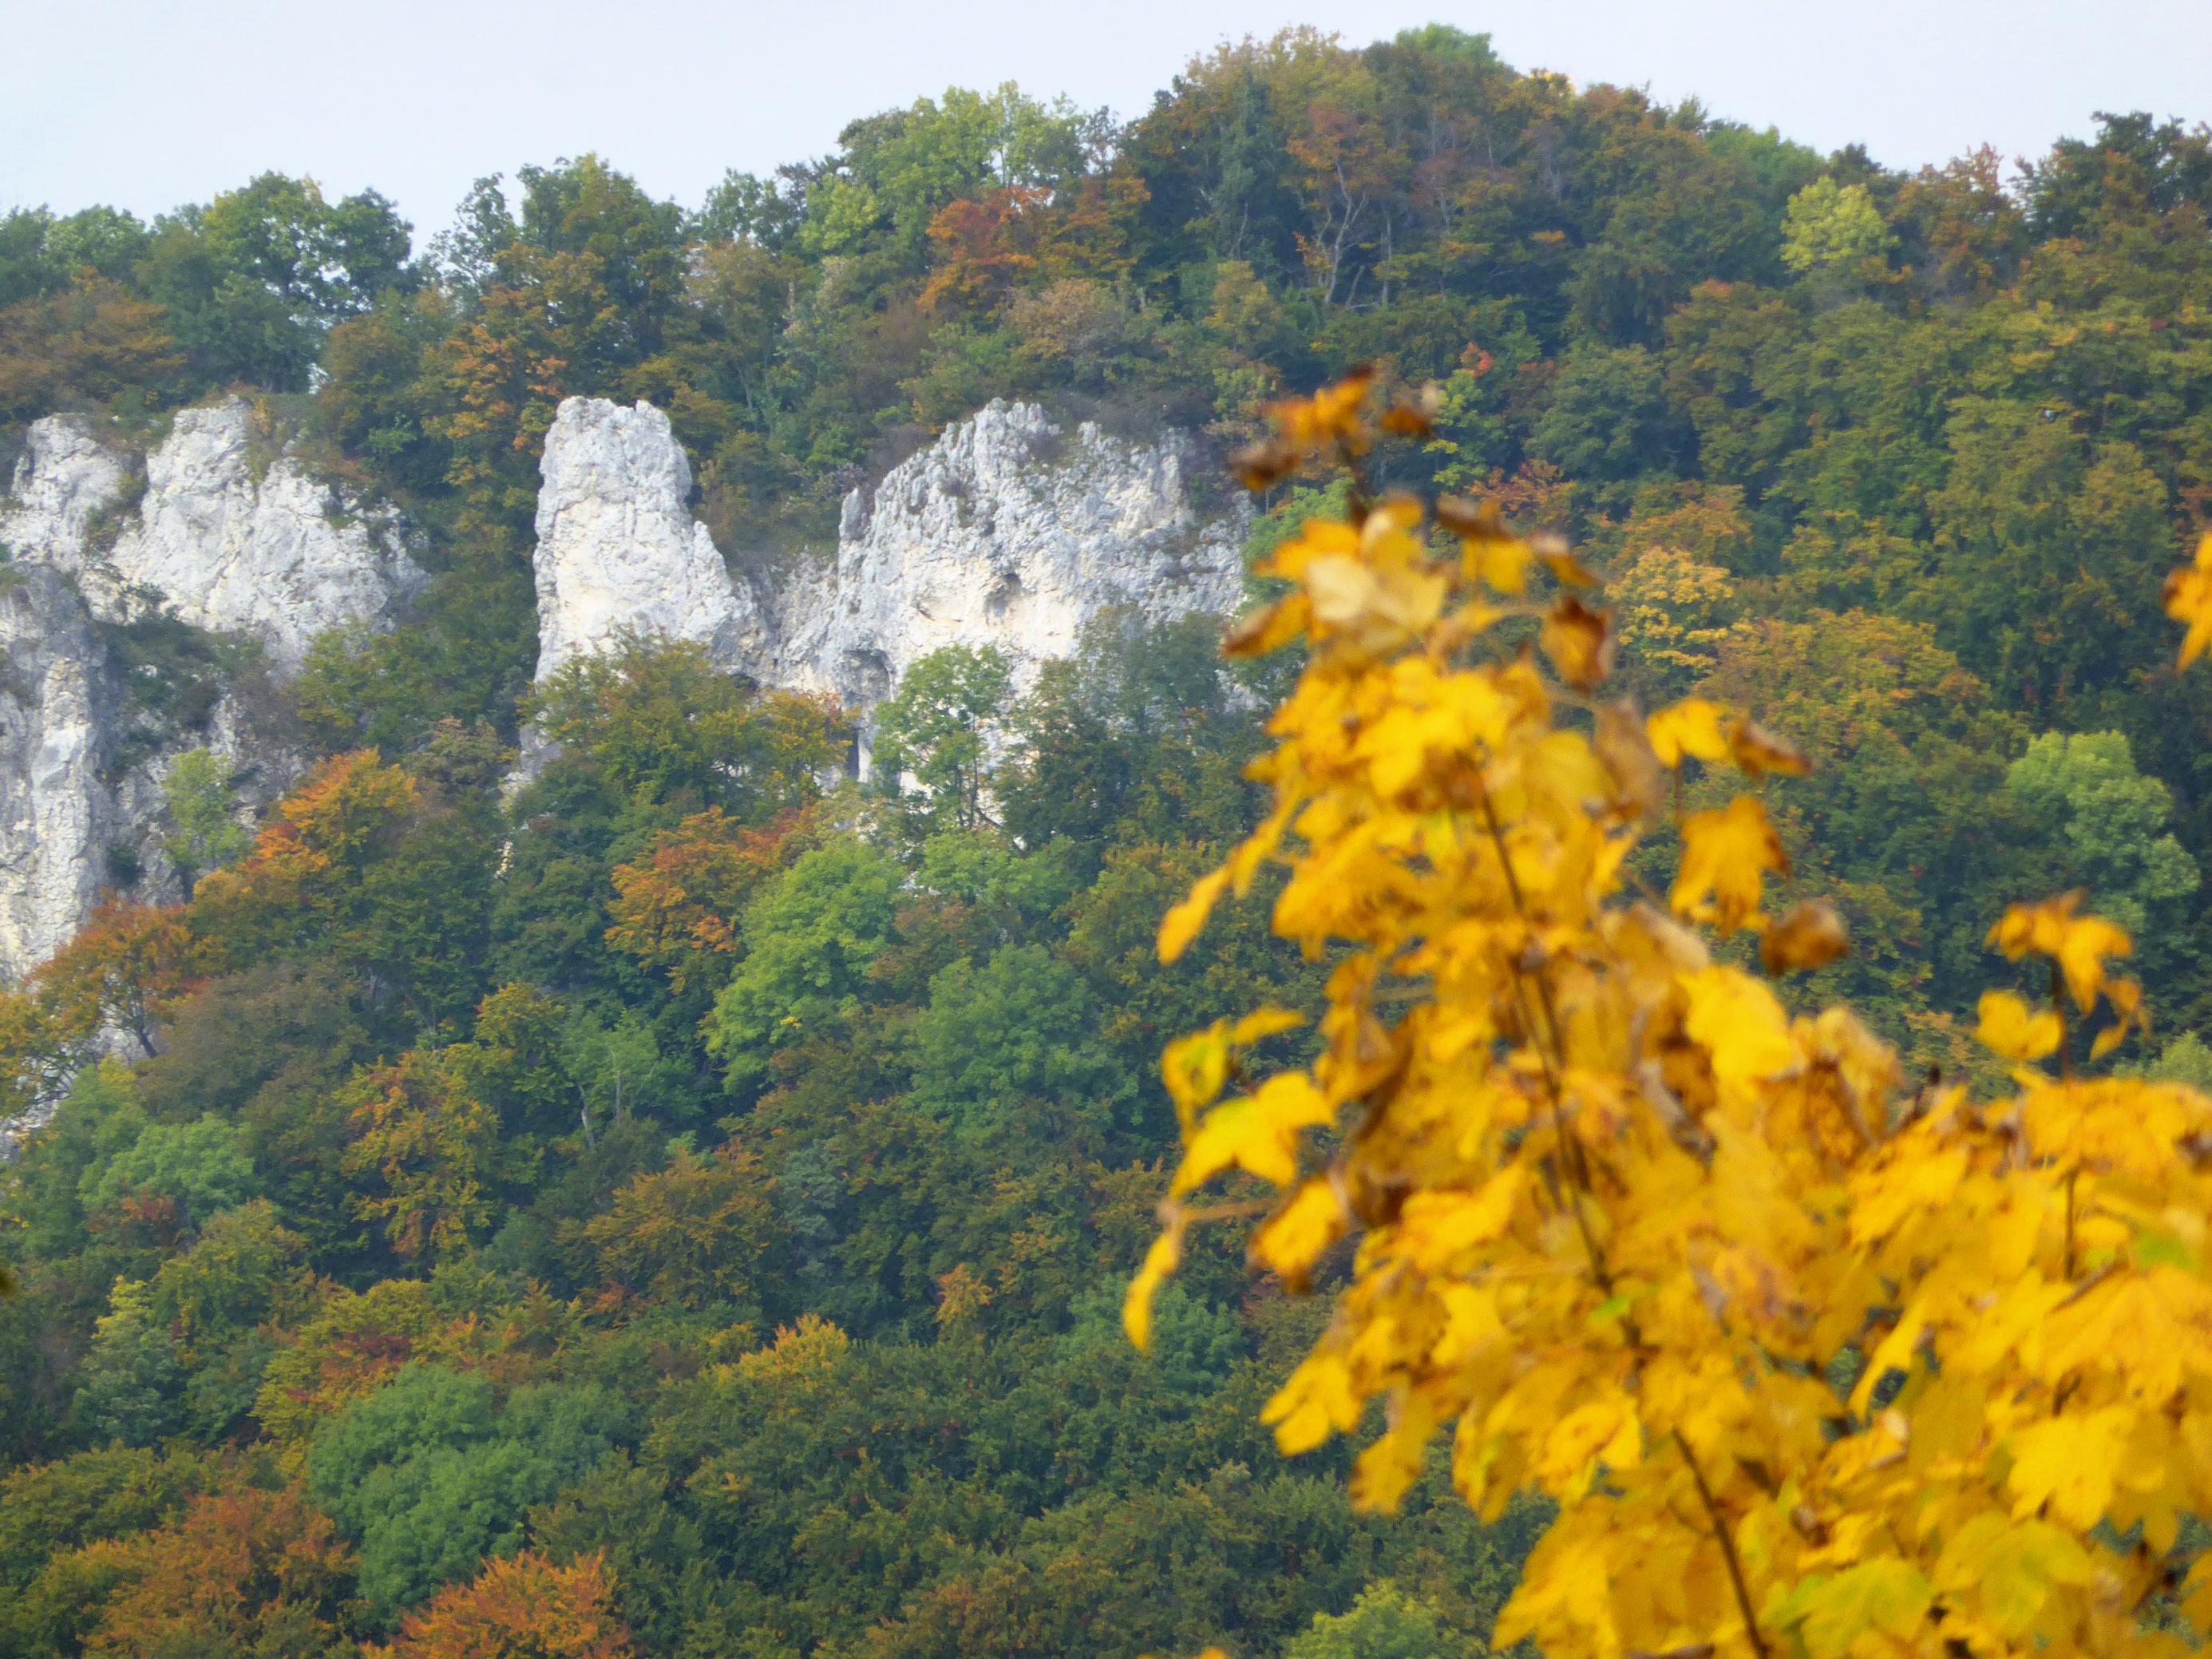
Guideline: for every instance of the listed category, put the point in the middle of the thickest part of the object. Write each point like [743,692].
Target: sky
[146,105]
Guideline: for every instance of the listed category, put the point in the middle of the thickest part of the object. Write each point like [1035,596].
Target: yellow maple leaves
[1726,854]
[2189,599]
[2008,1027]
[1692,726]
[2077,946]
[1809,1364]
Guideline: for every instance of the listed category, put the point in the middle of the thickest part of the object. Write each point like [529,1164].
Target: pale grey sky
[149,103]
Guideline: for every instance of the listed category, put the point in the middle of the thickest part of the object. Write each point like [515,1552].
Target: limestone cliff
[214,527]
[617,547]
[262,551]
[56,705]
[1007,531]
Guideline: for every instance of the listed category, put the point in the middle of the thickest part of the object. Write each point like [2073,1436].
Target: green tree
[1834,231]
[243,1269]
[252,282]
[615,1071]
[1384,1622]
[2110,821]
[204,833]
[2186,1059]
[659,723]
[934,734]
[1012,1047]
[810,939]
[192,1171]
[133,1389]
[430,1474]
[1608,420]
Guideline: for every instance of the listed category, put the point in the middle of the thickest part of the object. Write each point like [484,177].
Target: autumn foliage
[523,1608]
[675,908]
[1811,1359]
[240,1571]
[128,965]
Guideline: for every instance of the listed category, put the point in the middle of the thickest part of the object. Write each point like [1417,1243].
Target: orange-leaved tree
[1809,1362]
[523,1608]
[122,973]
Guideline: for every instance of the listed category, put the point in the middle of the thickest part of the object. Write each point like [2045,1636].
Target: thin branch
[1727,1541]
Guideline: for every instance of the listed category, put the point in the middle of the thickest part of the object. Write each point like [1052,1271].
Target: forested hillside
[682,1207]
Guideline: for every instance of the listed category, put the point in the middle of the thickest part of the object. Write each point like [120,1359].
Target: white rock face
[274,558]
[277,558]
[55,710]
[65,477]
[617,547]
[1006,532]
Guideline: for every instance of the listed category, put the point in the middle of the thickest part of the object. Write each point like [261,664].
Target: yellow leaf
[2082,948]
[1622,743]
[2008,1027]
[1810,935]
[2020,1565]
[1386,1471]
[1692,727]
[1318,537]
[1566,569]
[1262,1024]
[1499,561]
[1830,1614]
[1317,1400]
[2067,1463]
[1725,854]
[1163,1259]
[1740,1024]
[1600,1430]
[1438,1226]
[1195,1068]
[1757,751]
[1579,640]
[2189,599]
[1268,628]
[1905,1185]
[1182,923]
[1292,1239]
[1341,589]
[1257,1132]
[1471,1323]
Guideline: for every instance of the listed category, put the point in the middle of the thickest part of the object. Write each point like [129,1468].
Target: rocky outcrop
[1008,531]
[57,706]
[267,552]
[617,547]
[218,528]
[65,480]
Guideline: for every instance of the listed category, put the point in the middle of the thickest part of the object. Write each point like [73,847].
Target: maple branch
[1555,1057]
[2058,1007]
[2073,1175]
[1727,1541]
[1575,1167]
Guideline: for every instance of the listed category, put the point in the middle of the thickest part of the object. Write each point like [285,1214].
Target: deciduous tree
[1809,1362]
[524,1609]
